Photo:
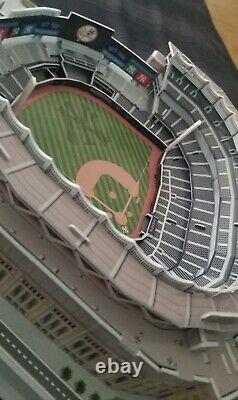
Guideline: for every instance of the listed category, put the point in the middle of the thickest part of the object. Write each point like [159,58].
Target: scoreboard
[87,32]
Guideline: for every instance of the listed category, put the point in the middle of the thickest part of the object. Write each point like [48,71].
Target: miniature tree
[66,373]
[80,386]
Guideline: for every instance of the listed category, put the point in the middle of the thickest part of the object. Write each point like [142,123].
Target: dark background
[146,25]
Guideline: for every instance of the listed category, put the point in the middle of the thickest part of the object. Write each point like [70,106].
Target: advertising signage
[87,32]
[35,25]
[129,62]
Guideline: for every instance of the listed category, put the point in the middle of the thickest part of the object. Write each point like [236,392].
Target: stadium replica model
[118,208]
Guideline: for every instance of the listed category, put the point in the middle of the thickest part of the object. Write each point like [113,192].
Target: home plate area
[89,177]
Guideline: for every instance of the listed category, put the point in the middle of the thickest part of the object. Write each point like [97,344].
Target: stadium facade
[168,298]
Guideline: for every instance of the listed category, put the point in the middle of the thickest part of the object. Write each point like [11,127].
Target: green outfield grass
[73,130]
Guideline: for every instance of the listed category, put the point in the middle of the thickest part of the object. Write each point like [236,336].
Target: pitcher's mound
[112,195]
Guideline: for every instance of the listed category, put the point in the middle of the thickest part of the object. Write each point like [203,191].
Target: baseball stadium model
[119,212]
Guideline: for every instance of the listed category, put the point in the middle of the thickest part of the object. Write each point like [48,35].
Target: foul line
[105,205]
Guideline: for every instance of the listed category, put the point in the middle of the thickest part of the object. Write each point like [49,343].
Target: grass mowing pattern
[73,130]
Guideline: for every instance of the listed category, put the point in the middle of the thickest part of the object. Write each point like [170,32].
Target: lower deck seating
[171,212]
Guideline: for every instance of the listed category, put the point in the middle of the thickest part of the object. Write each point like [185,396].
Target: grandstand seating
[208,154]
[205,258]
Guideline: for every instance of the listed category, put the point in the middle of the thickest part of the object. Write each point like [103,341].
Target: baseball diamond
[78,130]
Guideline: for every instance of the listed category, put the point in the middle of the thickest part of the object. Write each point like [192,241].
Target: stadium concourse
[167,297]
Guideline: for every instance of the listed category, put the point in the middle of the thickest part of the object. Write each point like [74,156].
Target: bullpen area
[91,144]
